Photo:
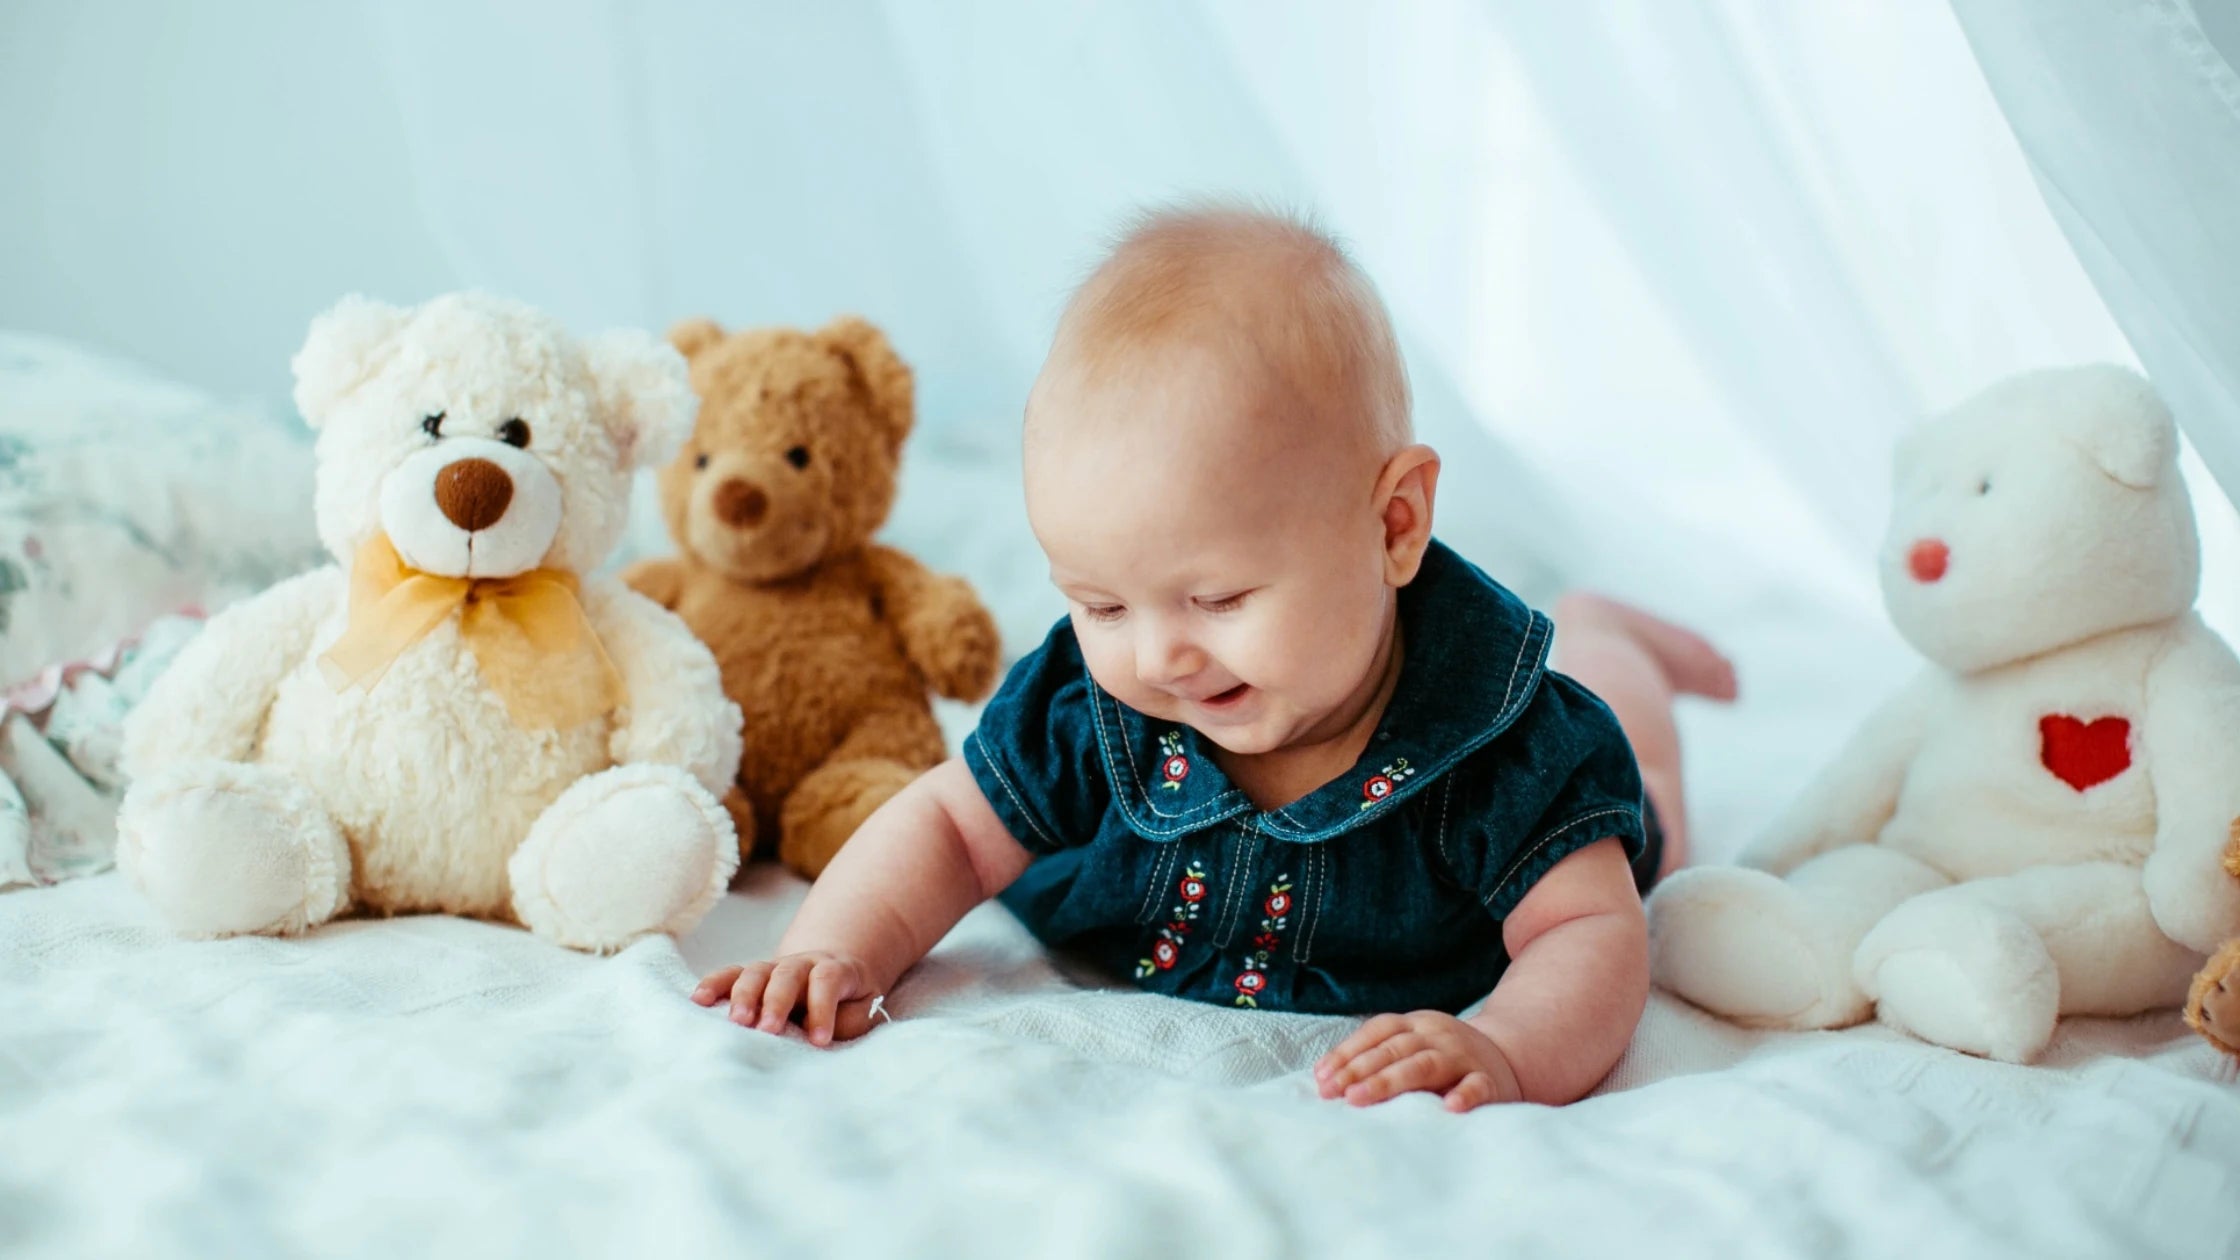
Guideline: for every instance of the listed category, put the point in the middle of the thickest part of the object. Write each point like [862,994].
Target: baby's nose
[1163,660]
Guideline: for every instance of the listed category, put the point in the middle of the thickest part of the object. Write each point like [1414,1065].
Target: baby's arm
[1577,983]
[916,866]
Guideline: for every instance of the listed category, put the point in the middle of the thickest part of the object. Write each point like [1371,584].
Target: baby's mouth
[1222,700]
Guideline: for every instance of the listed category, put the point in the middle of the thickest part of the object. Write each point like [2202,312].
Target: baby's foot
[1690,664]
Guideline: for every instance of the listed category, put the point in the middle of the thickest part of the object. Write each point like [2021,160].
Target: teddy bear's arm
[1853,797]
[210,703]
[660,580]
[2192,754]
[944,629]
[677,713]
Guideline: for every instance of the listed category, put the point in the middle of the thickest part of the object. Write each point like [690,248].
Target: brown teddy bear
[828,642]
[2213,1007]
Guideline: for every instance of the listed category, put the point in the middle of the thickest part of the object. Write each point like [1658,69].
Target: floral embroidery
[1253,980]
[1173,766]
[1166,948]
[1383,784]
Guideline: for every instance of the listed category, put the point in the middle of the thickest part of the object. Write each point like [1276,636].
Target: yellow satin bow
[528,634]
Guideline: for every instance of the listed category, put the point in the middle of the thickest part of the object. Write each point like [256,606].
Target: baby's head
[1219,465]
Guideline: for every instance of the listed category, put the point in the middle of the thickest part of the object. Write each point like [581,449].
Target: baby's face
[1223,570]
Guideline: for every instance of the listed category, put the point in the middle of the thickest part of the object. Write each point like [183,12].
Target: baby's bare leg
[1638,665]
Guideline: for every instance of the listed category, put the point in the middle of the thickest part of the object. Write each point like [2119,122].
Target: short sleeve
[1558,780]
[1034,753]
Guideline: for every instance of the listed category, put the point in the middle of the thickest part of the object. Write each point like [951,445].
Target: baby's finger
[1371,1061]
[711,990]
[783,995]
[827,985]
[1428,1070]
[1367,1035]
[746,993]
[1474,1090]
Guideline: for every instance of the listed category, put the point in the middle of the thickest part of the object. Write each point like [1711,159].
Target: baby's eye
[1226,603]
[1103,612]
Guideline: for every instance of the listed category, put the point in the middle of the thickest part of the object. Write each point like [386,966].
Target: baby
[1288,751]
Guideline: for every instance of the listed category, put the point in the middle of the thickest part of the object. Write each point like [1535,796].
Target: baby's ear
[341,352]
[645,396]
[886,378]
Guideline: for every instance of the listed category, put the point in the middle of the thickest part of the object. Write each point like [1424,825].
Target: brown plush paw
[2213,1007]
[829,804]
[735,803]
[954,640]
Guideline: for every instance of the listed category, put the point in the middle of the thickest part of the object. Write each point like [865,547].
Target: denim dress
[1383,890]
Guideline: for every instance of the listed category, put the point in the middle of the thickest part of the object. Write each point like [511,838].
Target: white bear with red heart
[2031,828]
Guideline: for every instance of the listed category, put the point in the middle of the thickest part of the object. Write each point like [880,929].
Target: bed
[434,1086]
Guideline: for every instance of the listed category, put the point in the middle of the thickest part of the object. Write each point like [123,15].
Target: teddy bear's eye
[798,457]
[700,460]
[1983,486]
[514,432]
[432,425]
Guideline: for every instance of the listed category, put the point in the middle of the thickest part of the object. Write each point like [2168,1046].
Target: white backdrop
[1671,275]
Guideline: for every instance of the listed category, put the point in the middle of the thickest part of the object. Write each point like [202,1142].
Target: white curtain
[1671,273]
[2129,113]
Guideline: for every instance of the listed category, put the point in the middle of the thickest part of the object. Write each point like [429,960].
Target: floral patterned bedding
[126,500]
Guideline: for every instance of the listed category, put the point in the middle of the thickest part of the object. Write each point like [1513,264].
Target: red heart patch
[2084,754]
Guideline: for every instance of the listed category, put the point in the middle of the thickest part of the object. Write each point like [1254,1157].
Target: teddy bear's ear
[2123,425]
[342,350]
[885,376]
[645,395]
[691,336]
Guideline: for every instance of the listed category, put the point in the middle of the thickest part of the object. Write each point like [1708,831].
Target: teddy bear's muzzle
[471,507]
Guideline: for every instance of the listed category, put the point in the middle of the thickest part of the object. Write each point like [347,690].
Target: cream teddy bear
[452,717]
[2033,827]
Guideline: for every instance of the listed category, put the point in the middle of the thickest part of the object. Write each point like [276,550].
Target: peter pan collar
[1474,656]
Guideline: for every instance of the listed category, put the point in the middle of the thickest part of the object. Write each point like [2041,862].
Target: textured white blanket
[432,1086]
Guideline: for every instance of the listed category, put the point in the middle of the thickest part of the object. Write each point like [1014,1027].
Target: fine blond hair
[1266,287]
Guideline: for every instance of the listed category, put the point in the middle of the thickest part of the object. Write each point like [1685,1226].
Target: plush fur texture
[2213,1003]
[827,642]
[265,800]
[2031,828]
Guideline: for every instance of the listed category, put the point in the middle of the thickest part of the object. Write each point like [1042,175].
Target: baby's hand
[832,991]
[1428,1050]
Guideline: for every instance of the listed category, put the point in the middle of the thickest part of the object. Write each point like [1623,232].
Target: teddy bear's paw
[955,641]
[830,803]
[624,853]
[227,849]
[1748,946]
[2213,1007]
[1961,973]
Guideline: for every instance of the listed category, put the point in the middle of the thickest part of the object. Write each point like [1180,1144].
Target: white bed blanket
[432,1086]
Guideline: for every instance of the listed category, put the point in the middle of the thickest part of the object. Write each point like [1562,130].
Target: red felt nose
[1927,559]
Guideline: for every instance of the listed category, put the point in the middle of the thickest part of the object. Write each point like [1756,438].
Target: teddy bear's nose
[741,504]
[1927,560]
[473,493]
